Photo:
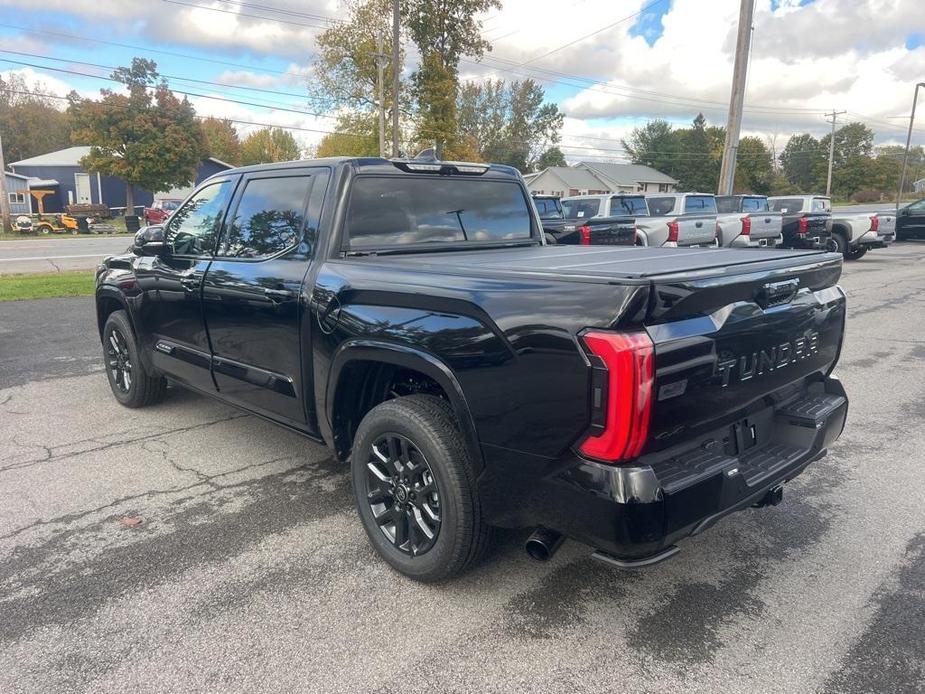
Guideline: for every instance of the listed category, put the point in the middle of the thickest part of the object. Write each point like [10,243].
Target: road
[249,571]
[57,254]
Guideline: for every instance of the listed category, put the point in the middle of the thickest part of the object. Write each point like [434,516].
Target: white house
[631,178]
[919,185]
[564,181]
[589,178]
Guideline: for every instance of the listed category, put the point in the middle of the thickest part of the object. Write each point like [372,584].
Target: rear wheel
[838,243]
[131,383]
[414,484]
[856,254]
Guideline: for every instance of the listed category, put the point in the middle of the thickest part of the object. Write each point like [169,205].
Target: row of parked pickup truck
[701,219]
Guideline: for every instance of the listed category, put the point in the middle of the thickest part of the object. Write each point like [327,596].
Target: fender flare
[409,357]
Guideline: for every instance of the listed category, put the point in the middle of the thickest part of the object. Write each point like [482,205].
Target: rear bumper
[752,242]
[635,512]
[872,239]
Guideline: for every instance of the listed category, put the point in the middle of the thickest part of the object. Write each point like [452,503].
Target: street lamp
[902,176]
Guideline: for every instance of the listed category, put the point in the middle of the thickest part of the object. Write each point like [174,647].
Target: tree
[443,32]
[799,160]
[852,166]
[222,140]
[655,144]
[699,154]
[147,138]
[345,71]
[508,124]
[754,167]
[269,145]
[357,135]
[551,157]
[31,122]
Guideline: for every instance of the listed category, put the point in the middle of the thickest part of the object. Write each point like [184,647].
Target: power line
[593,33]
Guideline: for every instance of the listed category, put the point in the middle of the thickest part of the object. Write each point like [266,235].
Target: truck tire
[856,254]
[839,243]
[415,488]
[131,383]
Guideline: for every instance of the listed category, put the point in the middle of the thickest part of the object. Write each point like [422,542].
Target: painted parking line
[54,257]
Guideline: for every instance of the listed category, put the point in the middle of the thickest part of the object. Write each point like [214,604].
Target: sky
[610,65]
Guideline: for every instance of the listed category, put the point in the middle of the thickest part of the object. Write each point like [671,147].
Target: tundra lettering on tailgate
[767,360]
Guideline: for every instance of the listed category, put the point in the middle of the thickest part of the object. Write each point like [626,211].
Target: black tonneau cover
[601,263]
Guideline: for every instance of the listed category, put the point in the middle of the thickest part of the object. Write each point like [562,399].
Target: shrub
[867,195]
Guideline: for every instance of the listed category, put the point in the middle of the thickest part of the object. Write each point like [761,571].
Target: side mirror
[149,241]
[904,211]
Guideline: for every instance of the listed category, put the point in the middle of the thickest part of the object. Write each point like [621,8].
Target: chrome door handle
[279,294]
[190,283]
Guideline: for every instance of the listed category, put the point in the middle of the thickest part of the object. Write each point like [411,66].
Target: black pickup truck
[410,315]
[806,221]
[579,222]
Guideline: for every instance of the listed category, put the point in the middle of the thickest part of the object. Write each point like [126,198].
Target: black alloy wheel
[131,382]
[119,361]
[402,494]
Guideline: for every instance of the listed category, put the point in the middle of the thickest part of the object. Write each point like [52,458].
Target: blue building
[69,183]
[17,188]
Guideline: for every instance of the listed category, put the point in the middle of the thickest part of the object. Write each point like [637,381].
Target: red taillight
[673,232]
[874,223]
[804,226]
[746,226]
[621,398]
[585,233]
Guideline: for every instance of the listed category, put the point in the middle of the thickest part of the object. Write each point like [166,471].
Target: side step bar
[610,560]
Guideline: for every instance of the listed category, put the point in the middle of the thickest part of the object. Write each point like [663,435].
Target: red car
[160,210]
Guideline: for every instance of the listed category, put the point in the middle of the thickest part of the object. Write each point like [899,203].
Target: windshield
[632,205]
[390,211]
[581,208]
[699,204]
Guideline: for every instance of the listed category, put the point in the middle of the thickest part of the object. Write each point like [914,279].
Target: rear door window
[699,204]
[822,205]
[581,209]
[392,210]
[268,219]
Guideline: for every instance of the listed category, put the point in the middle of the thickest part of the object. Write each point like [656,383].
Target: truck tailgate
[886,224]
[765,225]
[695,230]
[724,346]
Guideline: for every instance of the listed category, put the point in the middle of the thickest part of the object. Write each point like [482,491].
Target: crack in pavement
[51,457]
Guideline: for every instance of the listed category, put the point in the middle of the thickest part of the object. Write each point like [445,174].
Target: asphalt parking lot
[249,571]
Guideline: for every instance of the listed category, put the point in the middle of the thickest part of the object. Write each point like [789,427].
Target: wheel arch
[108,301]
[358,360]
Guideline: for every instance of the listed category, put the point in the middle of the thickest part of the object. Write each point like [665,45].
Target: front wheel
[415,489]
[130,382]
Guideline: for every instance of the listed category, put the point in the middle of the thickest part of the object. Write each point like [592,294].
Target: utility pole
[902,176]
[380,93]
[828,180]
[727,170]
[6,223]
[396,72]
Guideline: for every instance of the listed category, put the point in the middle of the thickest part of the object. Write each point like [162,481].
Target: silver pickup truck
[746,221]
[678,219]
[855,233]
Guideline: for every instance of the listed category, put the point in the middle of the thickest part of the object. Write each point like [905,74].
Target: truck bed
[590,263]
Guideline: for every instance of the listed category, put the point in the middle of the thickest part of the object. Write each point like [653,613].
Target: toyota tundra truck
[746,221]
[855,233]
[408,314]
[807,221]
[678,219]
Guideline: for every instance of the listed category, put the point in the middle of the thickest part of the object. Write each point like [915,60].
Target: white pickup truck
[746,221]
[678,219]
[855,233]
